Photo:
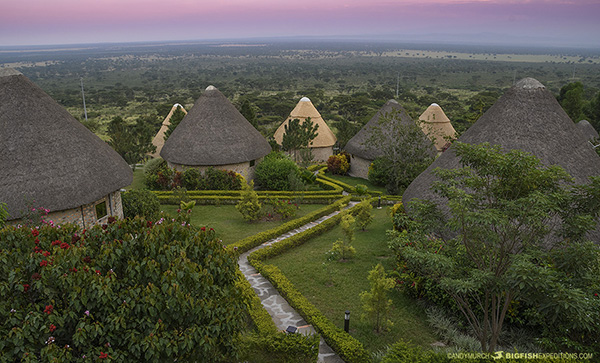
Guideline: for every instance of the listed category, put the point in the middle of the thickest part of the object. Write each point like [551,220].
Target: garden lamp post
[347,321]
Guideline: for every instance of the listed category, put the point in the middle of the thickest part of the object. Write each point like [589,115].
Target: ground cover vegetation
[507,247]
[109,292]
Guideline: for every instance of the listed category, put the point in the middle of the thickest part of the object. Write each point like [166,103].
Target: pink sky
[25,22]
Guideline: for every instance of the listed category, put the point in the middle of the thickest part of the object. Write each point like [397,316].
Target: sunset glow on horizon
[39,22]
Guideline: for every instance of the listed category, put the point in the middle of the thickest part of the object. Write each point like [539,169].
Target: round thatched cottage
[214,133]
[363,147]
[436,125]
[322,145]
[588,131]
[51,161]
[528,118]
[159,139]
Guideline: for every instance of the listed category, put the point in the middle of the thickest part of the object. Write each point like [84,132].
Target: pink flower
[87,312]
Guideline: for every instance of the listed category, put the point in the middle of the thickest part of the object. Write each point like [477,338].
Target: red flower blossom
[73,269]
[44,263]
[64,245]
[48,309]
[35,232]
[111,219]
[26,287]
[36,276]
[75,238]
[37,241]
[98,272]
[203,229]
[87,259]
[103,355]
[149,224]
[52,328]
[104,226]
[54,243]
[46,253]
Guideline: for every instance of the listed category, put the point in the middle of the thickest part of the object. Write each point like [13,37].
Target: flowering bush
[128,290]
[338,164]
[281,208]
[164,178]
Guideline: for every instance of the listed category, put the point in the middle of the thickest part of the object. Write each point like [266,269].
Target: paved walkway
[282,313]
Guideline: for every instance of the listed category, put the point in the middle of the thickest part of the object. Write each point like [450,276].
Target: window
[101,210]
[252,162]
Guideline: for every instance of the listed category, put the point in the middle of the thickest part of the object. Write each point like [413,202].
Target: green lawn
[353,181]
[228,222]
[138,179]
[334,287]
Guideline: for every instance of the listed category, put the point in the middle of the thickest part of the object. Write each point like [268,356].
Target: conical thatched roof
[358,145]
[528,118]
[159,139]
[47,156]
[214,132]
[303,110]
[587,130]
[436,125]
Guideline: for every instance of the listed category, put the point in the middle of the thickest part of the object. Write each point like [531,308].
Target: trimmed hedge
[248,243]
[209,200]
[347,187]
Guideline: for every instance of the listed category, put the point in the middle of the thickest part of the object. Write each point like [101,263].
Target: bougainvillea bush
[128,290]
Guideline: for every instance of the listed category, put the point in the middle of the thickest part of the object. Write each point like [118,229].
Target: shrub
[249,206]
[375,301]
[378,173]
[153,166]
[222,180]
[282,208]
[192,179]
[361,189]
[363,214]
[338,164]
[130,290]
[3,214]
[140,202]
[342,248]
[273,172]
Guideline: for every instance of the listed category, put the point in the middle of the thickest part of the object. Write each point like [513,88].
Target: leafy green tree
[571,100]
[249,113]
[345,131]
[342,248]
[274,171]
[176,118]
[249,206]
[142,203]
[404,155]
[364,216]
[491,241]
[298,135]
[132,142]
[375,302]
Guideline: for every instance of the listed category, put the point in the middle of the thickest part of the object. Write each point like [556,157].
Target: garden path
[282,313]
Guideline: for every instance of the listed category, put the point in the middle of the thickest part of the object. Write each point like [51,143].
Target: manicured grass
[353,181]
[334,287]
[138,179]
[228,222]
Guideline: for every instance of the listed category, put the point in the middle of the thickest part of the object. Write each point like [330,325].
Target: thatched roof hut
[588,131]
[436,125]
[214,133]
[322,145]
[528,118]
[159,139]
[363,153]
[48,157]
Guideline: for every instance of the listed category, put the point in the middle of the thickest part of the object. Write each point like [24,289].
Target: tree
[375,302]
[132,142]
[174,121]
[405,149]
[249,206]
[298,135]
[363,216]
[342,248]
[571,100]
[249,113]
[491,241]
[345,131]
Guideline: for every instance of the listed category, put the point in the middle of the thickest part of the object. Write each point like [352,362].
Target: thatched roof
[303,110]
[587,129]
[528,118]
[159,139]
[214,132]
[47,155]
[358,144]
[436,125]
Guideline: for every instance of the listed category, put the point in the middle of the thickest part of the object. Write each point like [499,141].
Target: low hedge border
[209,200]
[316,167]
[347,187]
[248,243]
[237,193]
[346,346]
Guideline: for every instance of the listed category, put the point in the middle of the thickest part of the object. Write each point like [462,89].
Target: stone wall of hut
[244,169]
[359,167]
[85,215]
[322,153]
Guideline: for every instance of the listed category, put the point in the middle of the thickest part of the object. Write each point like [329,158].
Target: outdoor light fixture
[347,321]
[291,329]
[379,203]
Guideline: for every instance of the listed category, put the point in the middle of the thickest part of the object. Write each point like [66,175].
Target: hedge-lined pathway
[282,313]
